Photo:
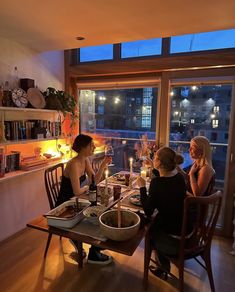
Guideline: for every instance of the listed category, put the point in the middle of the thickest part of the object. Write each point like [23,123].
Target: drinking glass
[108,151]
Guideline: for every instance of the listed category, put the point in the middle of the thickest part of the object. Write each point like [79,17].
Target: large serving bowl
[130,225]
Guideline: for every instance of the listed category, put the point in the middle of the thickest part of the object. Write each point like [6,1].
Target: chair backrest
[52,178]
[211,185]
[96,162]
[202,213]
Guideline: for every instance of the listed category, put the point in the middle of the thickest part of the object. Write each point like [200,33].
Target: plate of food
[119,176]
[92,213]
[135,200]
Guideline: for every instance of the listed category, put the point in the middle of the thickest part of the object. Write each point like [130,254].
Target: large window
[120,118]
[202,110]
[96,53]
[203,41]
[141,48]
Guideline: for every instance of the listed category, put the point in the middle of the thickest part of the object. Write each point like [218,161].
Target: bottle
[93,192]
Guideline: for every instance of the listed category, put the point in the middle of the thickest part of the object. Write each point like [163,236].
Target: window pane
[141,48]
[120,118]
[96,53]
[203,41]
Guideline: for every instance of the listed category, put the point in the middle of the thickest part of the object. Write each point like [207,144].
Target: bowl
[92,213]
[129,227]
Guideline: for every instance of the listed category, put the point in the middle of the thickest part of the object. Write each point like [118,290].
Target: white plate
[92,213]
[36,98]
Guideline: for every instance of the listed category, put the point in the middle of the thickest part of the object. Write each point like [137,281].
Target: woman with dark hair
[167,192]
[75,173]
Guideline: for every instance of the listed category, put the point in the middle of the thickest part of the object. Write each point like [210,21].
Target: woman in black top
[167,192]
[75,174]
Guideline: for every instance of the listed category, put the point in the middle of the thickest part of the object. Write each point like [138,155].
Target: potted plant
[61,101]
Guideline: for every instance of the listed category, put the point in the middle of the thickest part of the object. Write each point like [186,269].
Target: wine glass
[108,151]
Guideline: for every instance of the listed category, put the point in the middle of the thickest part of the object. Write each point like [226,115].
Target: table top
[125,247]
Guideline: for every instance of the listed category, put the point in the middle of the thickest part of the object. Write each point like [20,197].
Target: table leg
[80,257]
[147,255]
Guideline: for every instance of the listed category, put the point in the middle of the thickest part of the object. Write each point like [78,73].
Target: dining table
[127,247]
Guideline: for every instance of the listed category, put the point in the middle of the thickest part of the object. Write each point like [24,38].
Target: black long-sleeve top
[166,194]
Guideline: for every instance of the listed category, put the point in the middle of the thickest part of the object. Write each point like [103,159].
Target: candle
[143,173]
[131,165]
[106,182]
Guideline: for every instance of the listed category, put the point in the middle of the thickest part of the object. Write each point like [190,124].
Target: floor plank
[22,269]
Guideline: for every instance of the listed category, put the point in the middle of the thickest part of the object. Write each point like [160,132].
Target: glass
[213,40]
[108,151]
[141,48]
[96,53]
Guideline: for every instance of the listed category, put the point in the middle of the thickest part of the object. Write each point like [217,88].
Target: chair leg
[48,243]
[181,276]
[147,256]
[207,258]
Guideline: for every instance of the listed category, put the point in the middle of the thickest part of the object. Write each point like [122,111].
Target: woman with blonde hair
[201,175]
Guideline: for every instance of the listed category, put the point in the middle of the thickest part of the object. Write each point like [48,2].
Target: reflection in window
[221,39]
[215,123]
[141,48]
[96,53]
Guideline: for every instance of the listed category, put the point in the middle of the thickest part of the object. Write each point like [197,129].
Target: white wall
[47,69]
[23,198]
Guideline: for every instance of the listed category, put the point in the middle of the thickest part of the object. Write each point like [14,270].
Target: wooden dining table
[127,247]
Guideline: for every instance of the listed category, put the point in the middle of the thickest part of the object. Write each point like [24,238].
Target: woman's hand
[194,168]
[106,161]
[141,182]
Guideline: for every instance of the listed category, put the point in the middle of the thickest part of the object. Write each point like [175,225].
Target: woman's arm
[146,201]
[200,185]
[98,175]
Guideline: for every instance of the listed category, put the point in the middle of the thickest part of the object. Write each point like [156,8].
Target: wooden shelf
[26,141]
[17,173]
[3,108]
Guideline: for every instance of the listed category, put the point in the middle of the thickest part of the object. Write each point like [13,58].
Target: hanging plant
[61,101]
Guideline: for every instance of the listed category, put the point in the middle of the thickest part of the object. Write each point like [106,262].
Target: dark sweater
[166,194]
[66,189]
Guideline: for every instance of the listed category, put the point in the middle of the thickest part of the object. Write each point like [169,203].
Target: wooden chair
[96,162]
[198,243]
[52,178]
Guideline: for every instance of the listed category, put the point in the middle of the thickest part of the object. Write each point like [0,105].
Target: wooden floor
[22,269]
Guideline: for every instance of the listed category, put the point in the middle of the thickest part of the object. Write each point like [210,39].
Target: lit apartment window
[192,121]
[215,123]
[216,109]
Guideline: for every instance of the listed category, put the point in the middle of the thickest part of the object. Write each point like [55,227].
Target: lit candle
[131,165]
[143,173]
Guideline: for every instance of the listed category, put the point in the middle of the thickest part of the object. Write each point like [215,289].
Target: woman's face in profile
[194,151]
[90,148]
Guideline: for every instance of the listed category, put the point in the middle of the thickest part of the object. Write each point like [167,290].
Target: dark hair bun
[80,142]
[179,159]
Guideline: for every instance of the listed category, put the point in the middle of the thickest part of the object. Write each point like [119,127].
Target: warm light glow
[194,87]
[212,116]
[116,100]
[172,93]
[106,173]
